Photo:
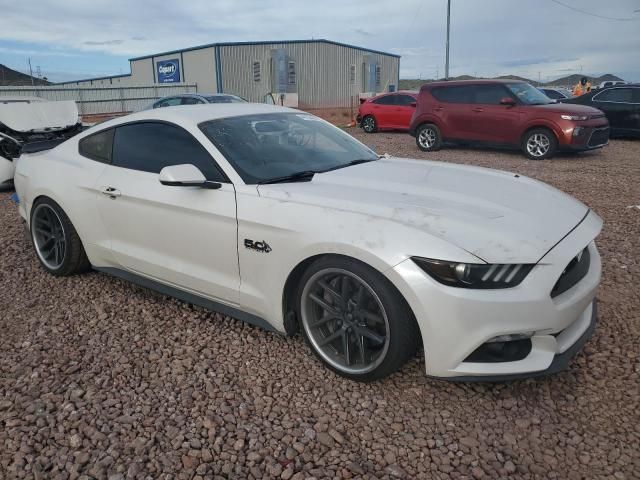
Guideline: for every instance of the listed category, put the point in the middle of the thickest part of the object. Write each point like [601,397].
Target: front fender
[546,123]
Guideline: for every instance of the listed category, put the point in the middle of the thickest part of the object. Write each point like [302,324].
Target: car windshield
[224,99]
[265,147]
[528,95]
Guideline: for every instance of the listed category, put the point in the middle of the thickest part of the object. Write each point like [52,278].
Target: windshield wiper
[351,163]
[304,176]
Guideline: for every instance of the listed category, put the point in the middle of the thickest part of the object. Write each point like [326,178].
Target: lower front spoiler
[559,363]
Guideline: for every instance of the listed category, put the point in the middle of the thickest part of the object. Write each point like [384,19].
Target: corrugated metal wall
[322,71]
[100,100]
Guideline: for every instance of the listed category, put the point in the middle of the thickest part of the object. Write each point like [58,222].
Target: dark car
[621,105]
[390,111]
[196,99]
[504,113]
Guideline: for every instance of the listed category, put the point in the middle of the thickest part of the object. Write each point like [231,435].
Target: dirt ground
[102,379]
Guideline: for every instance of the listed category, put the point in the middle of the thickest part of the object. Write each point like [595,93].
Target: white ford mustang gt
[278,218]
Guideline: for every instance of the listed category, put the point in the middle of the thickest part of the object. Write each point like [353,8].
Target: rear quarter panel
[69,179]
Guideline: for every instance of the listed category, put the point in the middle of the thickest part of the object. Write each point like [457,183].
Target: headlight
[575,117]
[474,275]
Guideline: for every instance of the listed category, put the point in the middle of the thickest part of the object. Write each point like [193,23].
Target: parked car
[32,123]
[556,93]
[6,99]
[280,219]
[504,113]
[196,99]
[610,83]
[621,105]
[390,111]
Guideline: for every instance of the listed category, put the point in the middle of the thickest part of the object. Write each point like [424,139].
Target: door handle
[438,109]
[478,110]
[111,192]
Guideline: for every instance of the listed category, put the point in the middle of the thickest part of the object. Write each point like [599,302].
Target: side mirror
[413,104]
[185,175]
[508,101]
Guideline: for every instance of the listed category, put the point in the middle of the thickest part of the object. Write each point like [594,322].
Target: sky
[537,39]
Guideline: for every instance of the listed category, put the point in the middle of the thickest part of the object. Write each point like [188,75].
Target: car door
[383,109]
[453,108]
[403,111]
[182,236]
[617,105]
[492,122]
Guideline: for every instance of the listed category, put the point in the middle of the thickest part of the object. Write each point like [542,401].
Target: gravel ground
[101,379]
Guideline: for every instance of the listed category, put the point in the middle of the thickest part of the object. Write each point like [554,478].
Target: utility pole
[446,64]
[31,72]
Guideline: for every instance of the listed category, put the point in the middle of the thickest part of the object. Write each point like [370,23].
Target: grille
[573,273]
[599,137]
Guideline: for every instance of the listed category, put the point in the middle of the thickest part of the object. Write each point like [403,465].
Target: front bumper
[454,322]
[560,360]
[590,138]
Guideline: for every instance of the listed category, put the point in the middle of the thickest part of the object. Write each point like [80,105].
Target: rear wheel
[539,144]
[56,241]
[428,138]
[354,319]
[369,124]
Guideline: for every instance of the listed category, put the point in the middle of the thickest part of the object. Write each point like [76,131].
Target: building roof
[232,44]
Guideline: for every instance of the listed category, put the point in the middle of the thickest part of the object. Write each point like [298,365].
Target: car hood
[39,116]
[569,108]
[499,217]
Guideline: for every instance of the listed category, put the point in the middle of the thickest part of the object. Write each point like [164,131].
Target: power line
[593,14]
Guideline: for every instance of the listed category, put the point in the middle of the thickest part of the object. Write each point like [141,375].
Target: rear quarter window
[98,146]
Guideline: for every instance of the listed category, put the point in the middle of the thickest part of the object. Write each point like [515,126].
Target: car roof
[195,114]
[452,83]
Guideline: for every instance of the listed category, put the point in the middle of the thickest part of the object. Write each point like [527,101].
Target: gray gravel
[101,379]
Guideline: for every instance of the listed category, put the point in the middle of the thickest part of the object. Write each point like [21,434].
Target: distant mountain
[9,77]
[570,80]
[575,78]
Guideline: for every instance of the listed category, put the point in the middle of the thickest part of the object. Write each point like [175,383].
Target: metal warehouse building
[298,73]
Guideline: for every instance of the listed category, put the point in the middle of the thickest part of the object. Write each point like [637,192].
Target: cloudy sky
[546,39]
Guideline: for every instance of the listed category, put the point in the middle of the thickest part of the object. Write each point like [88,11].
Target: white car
[280,219]
[31,124]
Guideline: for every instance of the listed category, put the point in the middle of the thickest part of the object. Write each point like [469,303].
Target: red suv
[391,111]
[504,113]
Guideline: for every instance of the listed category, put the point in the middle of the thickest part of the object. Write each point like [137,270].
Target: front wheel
[539,144]
[355,320]
[428,138]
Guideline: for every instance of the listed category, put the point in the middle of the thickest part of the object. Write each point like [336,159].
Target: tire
[369,124]
[55,240]
[428,138]
[380,330]
[539,144]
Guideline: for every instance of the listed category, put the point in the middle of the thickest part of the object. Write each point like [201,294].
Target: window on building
[378,75]
[291,73]
[257,71]
[352,75]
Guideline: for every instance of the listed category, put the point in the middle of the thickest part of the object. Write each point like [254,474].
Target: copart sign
[168,71]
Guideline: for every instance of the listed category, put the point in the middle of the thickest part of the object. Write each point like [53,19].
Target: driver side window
[151,146]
